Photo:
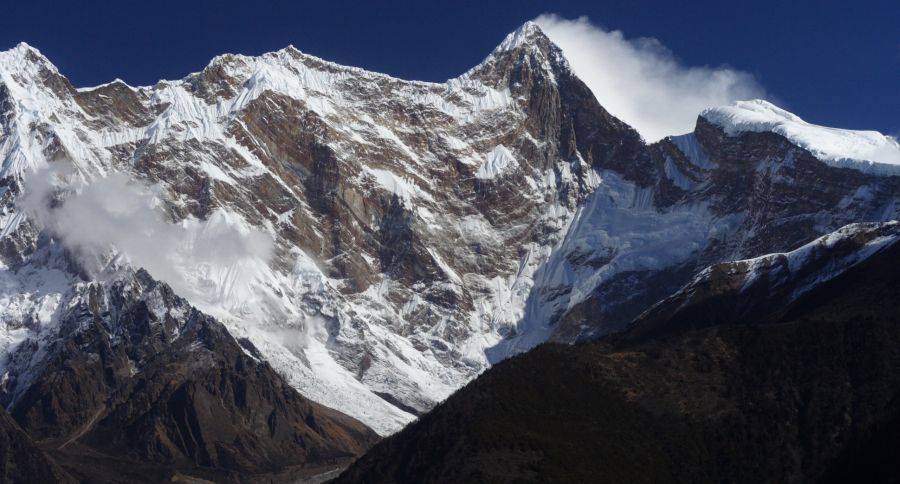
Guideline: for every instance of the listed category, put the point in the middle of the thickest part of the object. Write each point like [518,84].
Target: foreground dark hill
[802,393]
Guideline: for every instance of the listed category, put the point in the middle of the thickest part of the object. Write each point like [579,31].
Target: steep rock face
[791,395]
[136,374]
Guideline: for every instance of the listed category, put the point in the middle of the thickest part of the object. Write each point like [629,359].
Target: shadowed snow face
[117,214]
[640,81]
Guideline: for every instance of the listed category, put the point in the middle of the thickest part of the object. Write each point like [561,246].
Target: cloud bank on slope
[115,215]
[640,81]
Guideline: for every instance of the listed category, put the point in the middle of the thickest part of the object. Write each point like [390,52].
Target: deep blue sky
[831,62]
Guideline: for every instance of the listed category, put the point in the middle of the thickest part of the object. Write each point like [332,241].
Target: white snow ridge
[868,151]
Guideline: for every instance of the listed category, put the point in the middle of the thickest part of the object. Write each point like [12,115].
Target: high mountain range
[259,269]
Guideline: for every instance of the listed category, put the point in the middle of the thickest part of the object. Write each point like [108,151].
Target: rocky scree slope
[420,231]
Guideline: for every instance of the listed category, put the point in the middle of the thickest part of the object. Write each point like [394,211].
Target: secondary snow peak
[868,151]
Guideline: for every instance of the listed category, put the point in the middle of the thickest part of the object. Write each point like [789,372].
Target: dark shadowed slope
[23,461]
[807,393]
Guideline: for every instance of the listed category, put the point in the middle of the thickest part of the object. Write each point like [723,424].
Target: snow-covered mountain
[380,242]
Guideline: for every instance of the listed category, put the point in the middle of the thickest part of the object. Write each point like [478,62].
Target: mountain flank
[804,393]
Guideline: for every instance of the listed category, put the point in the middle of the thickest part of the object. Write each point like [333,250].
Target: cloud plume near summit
[640,81]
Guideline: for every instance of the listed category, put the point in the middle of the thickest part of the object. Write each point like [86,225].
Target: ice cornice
[115,82]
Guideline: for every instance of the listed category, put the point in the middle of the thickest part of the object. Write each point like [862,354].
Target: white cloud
[640,81]
[115,215]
